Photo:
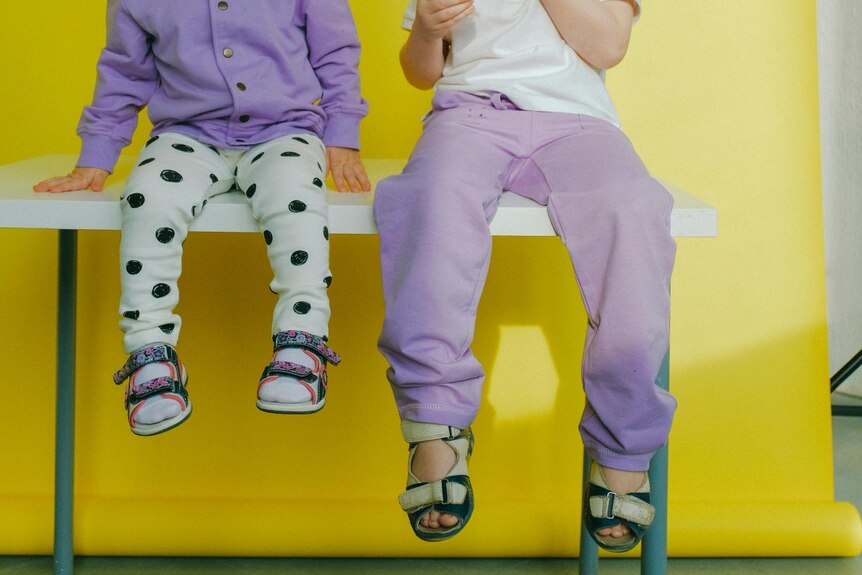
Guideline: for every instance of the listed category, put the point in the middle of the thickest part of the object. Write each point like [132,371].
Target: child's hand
[77,179]
[347,170]
[434,18]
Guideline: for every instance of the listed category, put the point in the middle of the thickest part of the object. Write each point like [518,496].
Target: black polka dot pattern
[165,235]
[161,290]
[151,140]
[171,176]
[136,200]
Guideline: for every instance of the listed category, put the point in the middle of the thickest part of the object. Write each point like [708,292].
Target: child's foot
[288,390]
[295,381]
[157,408]
[439,496]
[623,483]
[434,460]
[156,396]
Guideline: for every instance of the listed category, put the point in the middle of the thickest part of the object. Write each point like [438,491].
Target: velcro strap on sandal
[296,338]
[142,357]
[415,431]
[290,369]
[613,506]
[157,386]
[436,492]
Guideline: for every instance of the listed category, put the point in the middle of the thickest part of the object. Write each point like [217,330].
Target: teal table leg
[654,545]
[64,457]
[588,562]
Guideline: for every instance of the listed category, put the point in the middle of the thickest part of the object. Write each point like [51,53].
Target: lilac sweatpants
[613,218]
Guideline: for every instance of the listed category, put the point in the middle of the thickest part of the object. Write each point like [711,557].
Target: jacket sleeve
[126,80]
[334,49]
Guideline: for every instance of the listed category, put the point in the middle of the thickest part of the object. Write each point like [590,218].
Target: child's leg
[614,219]
[166,190]
[435,249]
[283,181]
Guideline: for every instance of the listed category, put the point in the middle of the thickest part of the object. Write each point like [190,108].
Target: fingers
[78,179]
[351,178]
[347,170]
[437,17]
[59,184]
[457,11]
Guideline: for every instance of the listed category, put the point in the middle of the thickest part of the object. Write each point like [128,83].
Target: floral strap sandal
[604,509]
[314,378]
[452,495]
[171,387]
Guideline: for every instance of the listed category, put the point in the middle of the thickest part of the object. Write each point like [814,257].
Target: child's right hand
[434,18]
[77,179]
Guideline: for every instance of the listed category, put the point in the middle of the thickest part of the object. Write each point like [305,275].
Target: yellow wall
[721,102]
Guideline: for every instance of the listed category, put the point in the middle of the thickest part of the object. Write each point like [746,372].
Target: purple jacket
[231,73]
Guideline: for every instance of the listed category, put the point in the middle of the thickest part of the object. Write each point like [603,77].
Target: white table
[21,207]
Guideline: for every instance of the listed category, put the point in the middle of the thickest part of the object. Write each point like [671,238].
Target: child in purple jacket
[259,95]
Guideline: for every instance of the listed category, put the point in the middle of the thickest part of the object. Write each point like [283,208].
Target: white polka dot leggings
[170,186]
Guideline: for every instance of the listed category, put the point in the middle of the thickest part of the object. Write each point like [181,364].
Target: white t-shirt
[513,47]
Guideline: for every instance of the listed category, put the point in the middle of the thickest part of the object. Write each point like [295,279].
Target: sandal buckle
[610,499]
[444,490]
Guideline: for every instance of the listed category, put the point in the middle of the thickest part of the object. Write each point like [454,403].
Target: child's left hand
[347,170]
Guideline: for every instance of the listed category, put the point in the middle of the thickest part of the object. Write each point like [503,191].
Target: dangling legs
[614,220]
[167,189]
[435,249]
[283,181]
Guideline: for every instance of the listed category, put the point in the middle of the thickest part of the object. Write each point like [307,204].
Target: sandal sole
[146,430]
[289,408]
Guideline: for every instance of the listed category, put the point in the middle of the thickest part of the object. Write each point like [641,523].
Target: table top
[350,213]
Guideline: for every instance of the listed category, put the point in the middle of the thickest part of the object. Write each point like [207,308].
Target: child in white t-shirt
[521,105]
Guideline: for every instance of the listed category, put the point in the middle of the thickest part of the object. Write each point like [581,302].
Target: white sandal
[452,495]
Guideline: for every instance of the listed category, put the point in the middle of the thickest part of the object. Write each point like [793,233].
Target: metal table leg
[588,561]
[64,457]
[654,545]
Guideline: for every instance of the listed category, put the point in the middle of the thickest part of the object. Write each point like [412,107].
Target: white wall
[839,31]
